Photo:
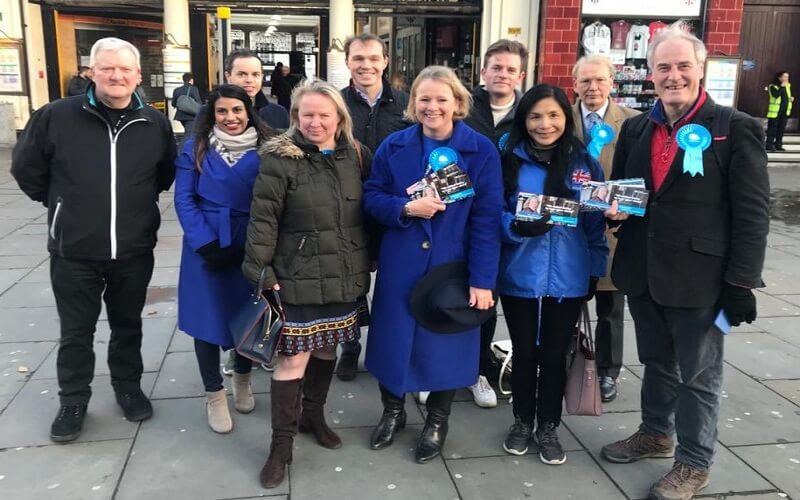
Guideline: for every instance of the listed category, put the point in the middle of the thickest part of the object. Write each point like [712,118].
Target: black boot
[392,420]
[316,382]
[285,412]
[434,433]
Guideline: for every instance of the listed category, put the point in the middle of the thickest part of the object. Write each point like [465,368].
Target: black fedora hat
[440,300]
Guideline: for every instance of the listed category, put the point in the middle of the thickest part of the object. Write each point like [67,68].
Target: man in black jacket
[244,69]
[492,114]
[79,82]
[698,250]
[98,162]
[184,117]
[377,110]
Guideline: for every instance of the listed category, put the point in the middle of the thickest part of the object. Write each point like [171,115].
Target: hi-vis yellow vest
[775,102]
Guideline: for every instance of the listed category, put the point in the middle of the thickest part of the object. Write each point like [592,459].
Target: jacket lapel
[578,118]
[640,156]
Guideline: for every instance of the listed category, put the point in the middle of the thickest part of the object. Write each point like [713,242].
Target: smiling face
[318,120]
[593,85]
[116,75]
[434,107]
[677,74]
[546,122]
[246,73]
[366,63]
[784,78]
[230,115]
[502,74]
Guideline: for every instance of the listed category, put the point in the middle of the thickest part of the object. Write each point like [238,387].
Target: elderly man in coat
[593,77]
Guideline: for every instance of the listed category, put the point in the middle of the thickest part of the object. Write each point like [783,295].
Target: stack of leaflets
[449,184]
[630,194]
[563,211]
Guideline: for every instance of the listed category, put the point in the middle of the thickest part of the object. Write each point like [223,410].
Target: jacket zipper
[113,227]
[55,218]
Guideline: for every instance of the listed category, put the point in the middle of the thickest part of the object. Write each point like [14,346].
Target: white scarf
[232,147]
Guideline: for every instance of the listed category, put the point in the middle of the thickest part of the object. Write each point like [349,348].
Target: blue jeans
[682,353]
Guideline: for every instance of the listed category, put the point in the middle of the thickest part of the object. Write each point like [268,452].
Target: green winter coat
[306,222]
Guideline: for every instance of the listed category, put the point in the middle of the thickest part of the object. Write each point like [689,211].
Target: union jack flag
[580,176]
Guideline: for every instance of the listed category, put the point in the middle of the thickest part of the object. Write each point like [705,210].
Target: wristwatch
[406,211]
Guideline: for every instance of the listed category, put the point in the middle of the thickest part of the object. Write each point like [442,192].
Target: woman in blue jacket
[213,190]
[546,271]
[419,235]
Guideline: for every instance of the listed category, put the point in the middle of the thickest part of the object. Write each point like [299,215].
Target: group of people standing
[311,210]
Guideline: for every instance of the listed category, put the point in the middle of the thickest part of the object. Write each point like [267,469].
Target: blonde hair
[445,75]
[679,30]
[326,89]
[112,44]
[599,59]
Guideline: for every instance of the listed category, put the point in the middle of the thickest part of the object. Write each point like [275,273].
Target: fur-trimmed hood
[283,145]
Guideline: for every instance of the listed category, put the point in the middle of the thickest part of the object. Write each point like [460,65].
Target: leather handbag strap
[585,325]
[261,279]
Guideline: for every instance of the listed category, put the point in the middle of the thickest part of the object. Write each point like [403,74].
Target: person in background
[698,249]
[377,111]
[213,191]
[307,232]
[593,79]
[274,79]
[421,234]
[547,272]
[492,114]
[79,82]
[98,163]
[283,86]
[186,119]
[779,109]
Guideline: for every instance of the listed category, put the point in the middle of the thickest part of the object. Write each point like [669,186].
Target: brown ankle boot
[243,399]
[316,383]
[285,410]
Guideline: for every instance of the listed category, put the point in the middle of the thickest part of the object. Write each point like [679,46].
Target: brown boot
[681,483]
[243,399]
[316,383]
[219,417]
[285,410]
[638,446]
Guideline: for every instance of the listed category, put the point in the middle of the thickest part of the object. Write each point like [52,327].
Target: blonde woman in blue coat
[422,234]
[213,190]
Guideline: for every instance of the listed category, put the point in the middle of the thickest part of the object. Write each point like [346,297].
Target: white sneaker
[483,393]
[421,397]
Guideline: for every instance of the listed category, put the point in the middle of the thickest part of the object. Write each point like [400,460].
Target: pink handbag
[582,391]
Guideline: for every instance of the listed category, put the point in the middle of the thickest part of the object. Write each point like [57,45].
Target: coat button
[426,245]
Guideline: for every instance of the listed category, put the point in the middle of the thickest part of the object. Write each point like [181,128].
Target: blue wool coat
[401,354]
[212,205]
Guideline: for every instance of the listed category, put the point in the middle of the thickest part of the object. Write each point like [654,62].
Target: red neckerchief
[663,147]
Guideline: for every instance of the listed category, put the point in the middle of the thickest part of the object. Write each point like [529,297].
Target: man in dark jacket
[699,250]
[79,82]
[492,114]
[243,69]
[377,110]
[98,162]
[186,118]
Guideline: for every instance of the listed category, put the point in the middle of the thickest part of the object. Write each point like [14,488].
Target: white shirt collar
[601,112]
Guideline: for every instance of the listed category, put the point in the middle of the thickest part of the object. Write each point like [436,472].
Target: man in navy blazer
[698,250]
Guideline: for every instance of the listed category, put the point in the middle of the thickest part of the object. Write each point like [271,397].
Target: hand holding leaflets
[535,207]
[444,179]
[626,196]
[532,228]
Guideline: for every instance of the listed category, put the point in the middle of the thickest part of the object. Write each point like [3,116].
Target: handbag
[187,104]
[257,326]
[582,391]
[502,351]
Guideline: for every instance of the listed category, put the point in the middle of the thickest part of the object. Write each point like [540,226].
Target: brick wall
[723,26]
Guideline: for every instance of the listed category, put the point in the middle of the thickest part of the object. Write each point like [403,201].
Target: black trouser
[775,129]
[208,361]
[539,372]
[610,307]
[78,286]
[442,400]
[487,335]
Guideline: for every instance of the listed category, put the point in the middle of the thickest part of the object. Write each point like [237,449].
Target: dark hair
[81,69]
[237,54]
[187,76]
[364,38]
[777,79]
[206,119]
[566,148]
[507,46]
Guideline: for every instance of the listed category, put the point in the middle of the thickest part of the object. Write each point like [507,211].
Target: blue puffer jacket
[558,263]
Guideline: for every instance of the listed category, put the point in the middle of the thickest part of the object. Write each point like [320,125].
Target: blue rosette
[502,142]
[693,139]
[601,134]
[442,157]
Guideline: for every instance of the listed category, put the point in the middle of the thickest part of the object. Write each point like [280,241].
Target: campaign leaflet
[630,194]
[449,184]
[563,211]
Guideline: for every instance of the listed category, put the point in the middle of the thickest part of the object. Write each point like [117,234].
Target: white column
[513,19]
[341,27]
[177,51]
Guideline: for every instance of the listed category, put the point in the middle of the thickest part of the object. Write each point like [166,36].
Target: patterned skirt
[312,327]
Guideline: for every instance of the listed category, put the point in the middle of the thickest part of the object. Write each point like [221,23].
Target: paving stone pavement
[175,455]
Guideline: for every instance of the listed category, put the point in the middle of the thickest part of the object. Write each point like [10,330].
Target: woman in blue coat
[422,234]
[547,272]
[213,190]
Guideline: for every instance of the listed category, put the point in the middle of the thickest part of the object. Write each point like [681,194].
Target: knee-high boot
[434,433]
[316,383]
[392,420]
[285,412]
